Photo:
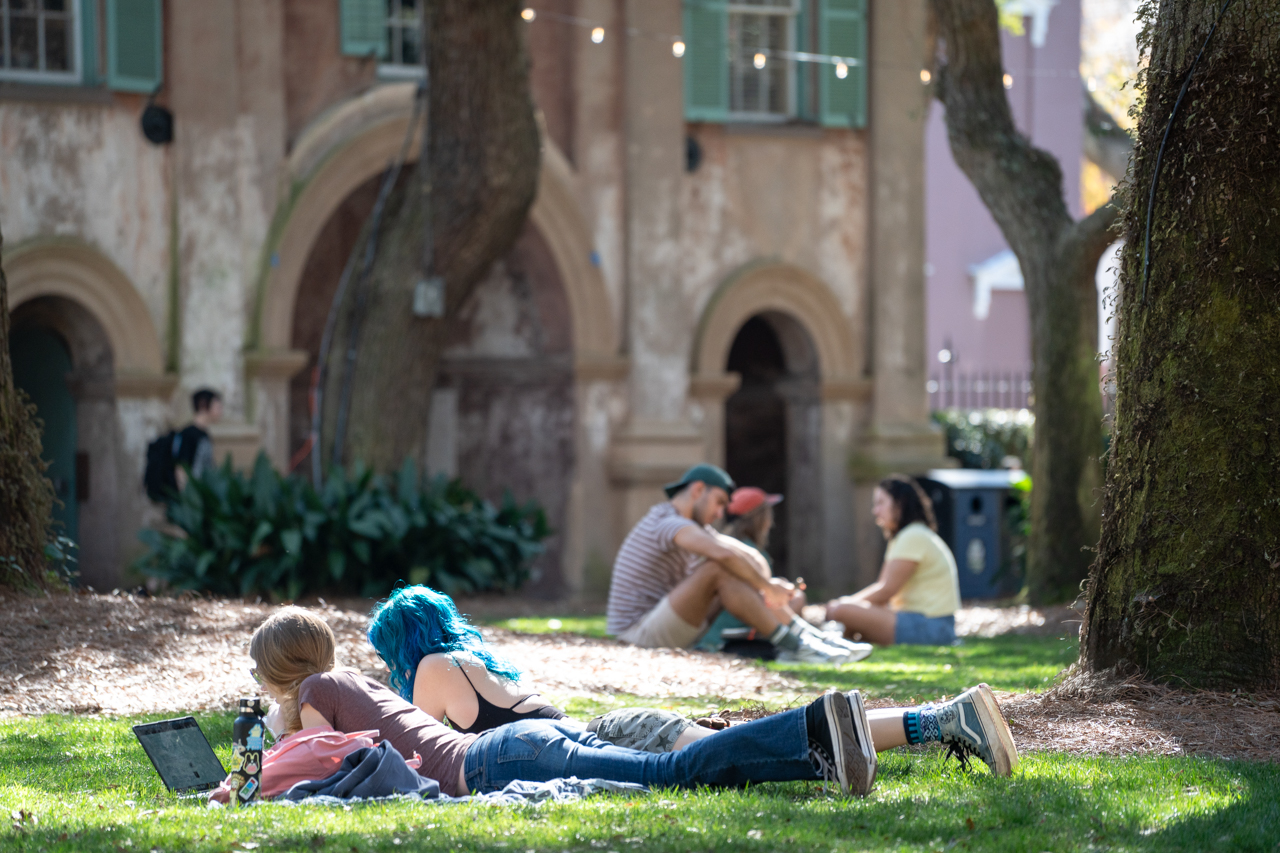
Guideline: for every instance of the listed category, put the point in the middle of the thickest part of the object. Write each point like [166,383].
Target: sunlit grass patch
[73,784]
[912,673]
[590,626]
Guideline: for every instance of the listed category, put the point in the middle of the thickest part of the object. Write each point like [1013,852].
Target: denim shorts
[916,629]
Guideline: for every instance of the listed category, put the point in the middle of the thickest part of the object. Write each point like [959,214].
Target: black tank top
[490,716]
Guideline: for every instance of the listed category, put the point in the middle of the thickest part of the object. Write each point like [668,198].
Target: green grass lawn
[79,784]
[72,784]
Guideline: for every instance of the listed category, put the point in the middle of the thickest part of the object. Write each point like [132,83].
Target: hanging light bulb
[677,49]
[759,60]
[925,75]
[597,35]
[528,14]
[842,70]
[1008,81]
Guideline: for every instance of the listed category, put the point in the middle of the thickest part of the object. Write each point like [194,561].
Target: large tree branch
[1107,145]
[1092,235]
[1020,184]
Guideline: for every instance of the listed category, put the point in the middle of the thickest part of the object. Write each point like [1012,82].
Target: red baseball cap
[750,498]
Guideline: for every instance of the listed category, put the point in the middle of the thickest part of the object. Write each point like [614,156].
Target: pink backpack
[310,754]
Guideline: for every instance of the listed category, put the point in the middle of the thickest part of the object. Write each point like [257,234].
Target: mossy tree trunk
[453,219]
[26,495]
[1021,186]
[1186,586]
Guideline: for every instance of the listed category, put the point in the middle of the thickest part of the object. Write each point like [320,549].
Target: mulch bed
[122,654]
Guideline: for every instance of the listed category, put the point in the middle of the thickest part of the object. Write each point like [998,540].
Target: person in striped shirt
[674,566]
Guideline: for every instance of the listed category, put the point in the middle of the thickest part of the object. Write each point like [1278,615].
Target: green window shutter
[89,71]
[844,33]
[364,28]
[706,60]
[135,50]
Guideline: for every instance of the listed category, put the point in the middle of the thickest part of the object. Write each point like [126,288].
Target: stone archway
[65,291]
[775,364]
[343,150]
[791,290]
[78,272]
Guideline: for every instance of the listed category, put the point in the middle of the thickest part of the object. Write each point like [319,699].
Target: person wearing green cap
[674,566]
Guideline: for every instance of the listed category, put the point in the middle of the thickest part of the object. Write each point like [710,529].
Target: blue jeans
[916,629]
[772,749]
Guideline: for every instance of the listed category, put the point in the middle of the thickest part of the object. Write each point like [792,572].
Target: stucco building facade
[728,271]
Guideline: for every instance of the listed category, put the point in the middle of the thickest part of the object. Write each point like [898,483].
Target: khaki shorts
[645,729]
[661,628]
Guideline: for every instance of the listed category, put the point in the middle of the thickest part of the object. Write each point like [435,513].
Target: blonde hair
[290,646]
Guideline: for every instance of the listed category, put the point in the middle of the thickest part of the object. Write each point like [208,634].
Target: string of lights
[760,58]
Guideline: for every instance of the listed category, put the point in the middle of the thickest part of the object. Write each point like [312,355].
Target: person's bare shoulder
[437,666]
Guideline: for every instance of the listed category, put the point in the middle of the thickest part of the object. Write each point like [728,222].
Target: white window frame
[25,75]
[790,11]
[391,70]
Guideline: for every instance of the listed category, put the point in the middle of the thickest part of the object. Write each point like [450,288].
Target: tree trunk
[453,219]
[1022,187]
[26,495]
[1186,586]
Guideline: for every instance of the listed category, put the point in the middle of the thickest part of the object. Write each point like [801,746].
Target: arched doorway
[63,359]
[503,411]
[773,433]
[41,367]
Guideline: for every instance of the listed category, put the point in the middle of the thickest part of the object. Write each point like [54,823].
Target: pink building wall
[1047,103]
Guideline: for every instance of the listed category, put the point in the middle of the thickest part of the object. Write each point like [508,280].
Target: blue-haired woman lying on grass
[833,738]
[440,662]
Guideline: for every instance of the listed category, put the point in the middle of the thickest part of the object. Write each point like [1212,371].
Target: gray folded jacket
[371,771]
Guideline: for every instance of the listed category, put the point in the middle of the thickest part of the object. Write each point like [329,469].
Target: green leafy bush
[281,537]
[983,438]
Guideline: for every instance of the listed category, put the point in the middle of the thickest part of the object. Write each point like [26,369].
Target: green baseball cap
[709,474]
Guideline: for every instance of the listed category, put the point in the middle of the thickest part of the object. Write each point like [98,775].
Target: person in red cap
[751,519]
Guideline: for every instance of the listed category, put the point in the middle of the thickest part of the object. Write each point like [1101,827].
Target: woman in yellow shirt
[918,592]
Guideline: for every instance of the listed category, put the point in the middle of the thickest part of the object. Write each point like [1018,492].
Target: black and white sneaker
[971,725]
[867,747]
[840,751]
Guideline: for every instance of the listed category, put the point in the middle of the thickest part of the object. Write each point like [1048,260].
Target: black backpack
[159,478]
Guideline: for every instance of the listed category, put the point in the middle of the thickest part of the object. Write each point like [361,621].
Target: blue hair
[417,621]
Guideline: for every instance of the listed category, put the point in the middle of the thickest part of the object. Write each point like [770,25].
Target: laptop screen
[181,754]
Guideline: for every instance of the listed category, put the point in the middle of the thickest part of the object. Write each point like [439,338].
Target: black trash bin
[970,508]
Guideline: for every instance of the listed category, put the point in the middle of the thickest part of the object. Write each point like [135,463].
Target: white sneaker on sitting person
[814,649]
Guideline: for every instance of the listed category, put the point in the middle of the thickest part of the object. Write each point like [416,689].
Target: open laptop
[181,755]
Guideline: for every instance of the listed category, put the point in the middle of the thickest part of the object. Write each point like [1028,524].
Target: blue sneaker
[972,725]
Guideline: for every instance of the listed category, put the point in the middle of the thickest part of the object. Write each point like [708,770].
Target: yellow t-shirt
[934,588]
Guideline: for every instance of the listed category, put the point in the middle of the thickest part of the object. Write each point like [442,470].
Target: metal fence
[998,390]
[980,390]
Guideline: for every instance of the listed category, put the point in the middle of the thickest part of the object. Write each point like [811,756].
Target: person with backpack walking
[179,454]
